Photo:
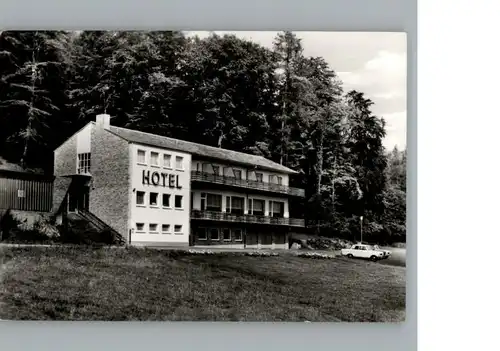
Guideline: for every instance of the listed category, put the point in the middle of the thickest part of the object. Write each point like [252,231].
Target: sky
[371,62]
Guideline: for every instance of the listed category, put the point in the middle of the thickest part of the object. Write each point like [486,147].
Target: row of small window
[154,228]
[154,200]
[154,160]
[214,234]
[236,173]
[236,204]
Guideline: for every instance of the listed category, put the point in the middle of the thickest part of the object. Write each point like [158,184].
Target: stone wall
[110,186]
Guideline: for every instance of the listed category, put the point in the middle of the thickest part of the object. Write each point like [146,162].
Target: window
[178,229]
[153,228]
[214,202]
[84,163]
[237,174]
[238,234]
[179,162]
[166,201]
[141,156]
[153,199]
[154,159]
[259,177]
[178,201]
[216,170]
[276,208]
[140,198]
[236,205]
[214,234]
[226,233]
[258,207]
[167,161]
[280,180]
[272,178]
[165,228]
[139,227]
[202,234]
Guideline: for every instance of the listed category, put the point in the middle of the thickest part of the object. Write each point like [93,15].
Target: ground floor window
[153,228]
[201,234]
[214,234]
[139,227]
[226,234]
[165,228]
[178,229]
[238,234]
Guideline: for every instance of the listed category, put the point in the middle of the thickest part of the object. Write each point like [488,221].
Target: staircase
[89,227]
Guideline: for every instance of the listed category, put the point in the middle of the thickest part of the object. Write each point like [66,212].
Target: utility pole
[361,226]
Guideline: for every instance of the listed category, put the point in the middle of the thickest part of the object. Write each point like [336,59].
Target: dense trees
[221,91]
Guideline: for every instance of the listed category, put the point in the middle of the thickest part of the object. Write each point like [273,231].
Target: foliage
[8,223]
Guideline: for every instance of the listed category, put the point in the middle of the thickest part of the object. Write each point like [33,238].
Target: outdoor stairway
[90,225]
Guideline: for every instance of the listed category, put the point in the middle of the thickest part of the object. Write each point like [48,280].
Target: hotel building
[160,191]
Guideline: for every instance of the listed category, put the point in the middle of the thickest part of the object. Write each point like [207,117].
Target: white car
[363,251]
[387,253]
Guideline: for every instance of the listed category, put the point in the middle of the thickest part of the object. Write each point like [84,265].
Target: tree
[366,133]
[232,92]
[32,88]
[289,51]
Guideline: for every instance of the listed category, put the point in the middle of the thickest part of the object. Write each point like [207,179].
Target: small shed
[24,191]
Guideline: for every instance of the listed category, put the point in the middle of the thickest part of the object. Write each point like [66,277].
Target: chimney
[102,121]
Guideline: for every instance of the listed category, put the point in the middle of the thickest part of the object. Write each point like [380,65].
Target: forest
[221,91]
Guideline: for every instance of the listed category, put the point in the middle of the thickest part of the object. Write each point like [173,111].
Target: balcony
[228,217]
[247,184]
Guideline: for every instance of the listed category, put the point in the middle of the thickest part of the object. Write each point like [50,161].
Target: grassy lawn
[104,284]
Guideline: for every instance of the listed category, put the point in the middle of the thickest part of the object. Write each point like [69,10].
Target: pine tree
[31,93]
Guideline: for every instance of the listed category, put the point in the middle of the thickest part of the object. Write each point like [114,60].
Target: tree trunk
[219,140]
[319,161]
[30,110]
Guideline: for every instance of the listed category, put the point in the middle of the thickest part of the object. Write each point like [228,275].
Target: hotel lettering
[161,179]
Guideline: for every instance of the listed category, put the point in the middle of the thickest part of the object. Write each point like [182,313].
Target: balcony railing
[228,217]
[245,183]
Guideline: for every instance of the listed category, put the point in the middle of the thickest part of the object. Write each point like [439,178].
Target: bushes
[315,255]
[328,244]
[16,231]
[7,224]
[88,237]
[44,231]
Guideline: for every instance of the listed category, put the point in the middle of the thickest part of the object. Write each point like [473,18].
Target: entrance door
[78,199]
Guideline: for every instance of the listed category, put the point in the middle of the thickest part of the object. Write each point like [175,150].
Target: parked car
[363,251]
[387,253]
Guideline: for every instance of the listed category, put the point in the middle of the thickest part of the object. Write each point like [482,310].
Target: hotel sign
[160,178]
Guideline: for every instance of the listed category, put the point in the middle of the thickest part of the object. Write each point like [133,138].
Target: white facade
[83,139]
[155,214]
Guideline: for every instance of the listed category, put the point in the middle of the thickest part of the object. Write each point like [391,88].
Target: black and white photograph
[203,176]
